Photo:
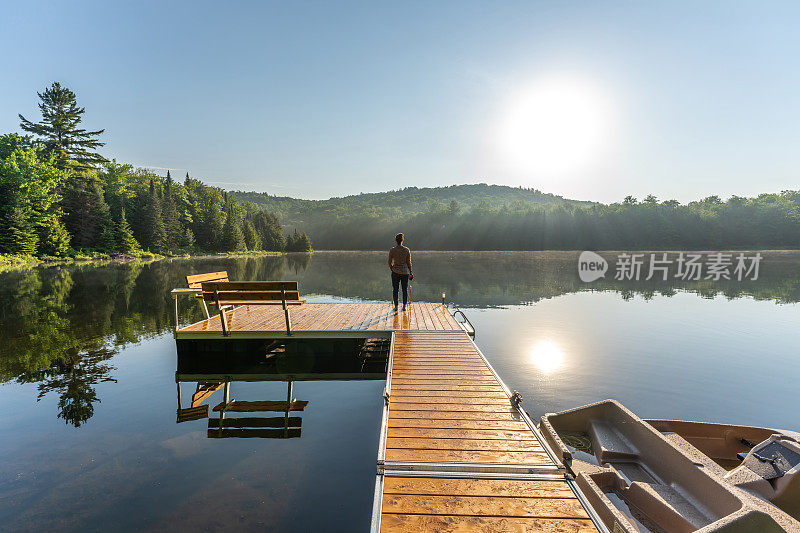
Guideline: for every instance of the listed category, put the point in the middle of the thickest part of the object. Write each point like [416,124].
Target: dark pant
[397,279]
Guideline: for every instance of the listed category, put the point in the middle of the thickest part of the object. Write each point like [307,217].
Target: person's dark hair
[399,239]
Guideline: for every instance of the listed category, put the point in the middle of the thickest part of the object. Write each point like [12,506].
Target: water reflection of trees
[60,326]
[488,279]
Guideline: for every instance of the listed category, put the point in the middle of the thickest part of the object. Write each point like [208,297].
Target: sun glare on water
[554,126]
[547,356]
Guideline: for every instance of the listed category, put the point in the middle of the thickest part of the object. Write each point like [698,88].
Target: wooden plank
[238,406]
[520,507]
[492,392]
[194,281]
[256,422]
[414,523]
[463,433]
[468,456]
[450,407]
[206,390]
[246,300]
[456,415]
[477,487]
[291,433]
[444,387]
[461,400]
[463,444]
[444,381]
[506,425]
[192,413]
[239,296]
[290,286]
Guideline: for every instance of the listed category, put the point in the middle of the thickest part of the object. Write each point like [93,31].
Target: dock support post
[288,409]
[175,299]
[221,313]
[286,309]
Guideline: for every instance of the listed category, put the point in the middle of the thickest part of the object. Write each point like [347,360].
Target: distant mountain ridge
[401,203]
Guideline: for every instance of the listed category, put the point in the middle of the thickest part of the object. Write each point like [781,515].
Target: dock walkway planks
[325,318]
[447,407]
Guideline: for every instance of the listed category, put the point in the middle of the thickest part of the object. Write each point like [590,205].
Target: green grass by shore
[12,261]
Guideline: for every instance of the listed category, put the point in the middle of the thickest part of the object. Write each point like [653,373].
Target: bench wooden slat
[258,302]
[258,285]
[240,406]
[224,294]
[291,433]
[194,281]
[257,422]
[192,413]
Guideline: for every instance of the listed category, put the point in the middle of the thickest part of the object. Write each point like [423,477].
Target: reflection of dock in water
[276,360]
[273,427]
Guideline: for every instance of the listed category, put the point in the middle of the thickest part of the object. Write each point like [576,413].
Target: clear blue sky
[325,99]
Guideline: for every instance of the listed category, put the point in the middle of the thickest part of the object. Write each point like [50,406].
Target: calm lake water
[89,438]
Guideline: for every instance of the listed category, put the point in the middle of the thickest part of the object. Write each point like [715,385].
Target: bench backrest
[194,282]
[231,291]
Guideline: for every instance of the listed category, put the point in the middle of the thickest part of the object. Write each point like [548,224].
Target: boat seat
[665,506]
[608,444]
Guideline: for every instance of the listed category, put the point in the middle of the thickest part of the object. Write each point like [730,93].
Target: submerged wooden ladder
[458,453]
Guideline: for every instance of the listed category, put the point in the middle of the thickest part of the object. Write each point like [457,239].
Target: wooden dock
[321,320]
[457,452]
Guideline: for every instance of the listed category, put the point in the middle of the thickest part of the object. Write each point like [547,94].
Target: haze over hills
[402,203]
[496,217]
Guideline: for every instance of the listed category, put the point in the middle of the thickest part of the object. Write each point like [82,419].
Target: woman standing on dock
[400,264]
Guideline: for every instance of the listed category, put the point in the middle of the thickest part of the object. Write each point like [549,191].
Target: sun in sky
[554,126]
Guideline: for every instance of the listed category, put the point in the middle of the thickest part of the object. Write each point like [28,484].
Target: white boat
[675,476]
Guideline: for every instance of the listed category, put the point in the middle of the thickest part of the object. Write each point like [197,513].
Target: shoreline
[13,262]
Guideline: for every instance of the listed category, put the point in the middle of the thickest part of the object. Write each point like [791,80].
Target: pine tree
[53,239]
[187,239]
[232,235]
[251,238]
[291,241]
[59,129]
[17,234]
[268,228]
[303,243]
[86,211]
[154,234]
[125,242]
[172,224]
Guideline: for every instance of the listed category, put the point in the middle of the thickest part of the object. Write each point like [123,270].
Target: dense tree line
[59,197]
[765,221]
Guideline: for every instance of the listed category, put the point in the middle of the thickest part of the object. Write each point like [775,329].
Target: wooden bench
[194,283]
[225,294]
[193,288]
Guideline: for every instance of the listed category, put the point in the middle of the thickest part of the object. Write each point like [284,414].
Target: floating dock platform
[457,452]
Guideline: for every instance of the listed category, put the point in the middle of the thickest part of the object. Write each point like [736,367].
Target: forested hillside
[402,202]
[484,217]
